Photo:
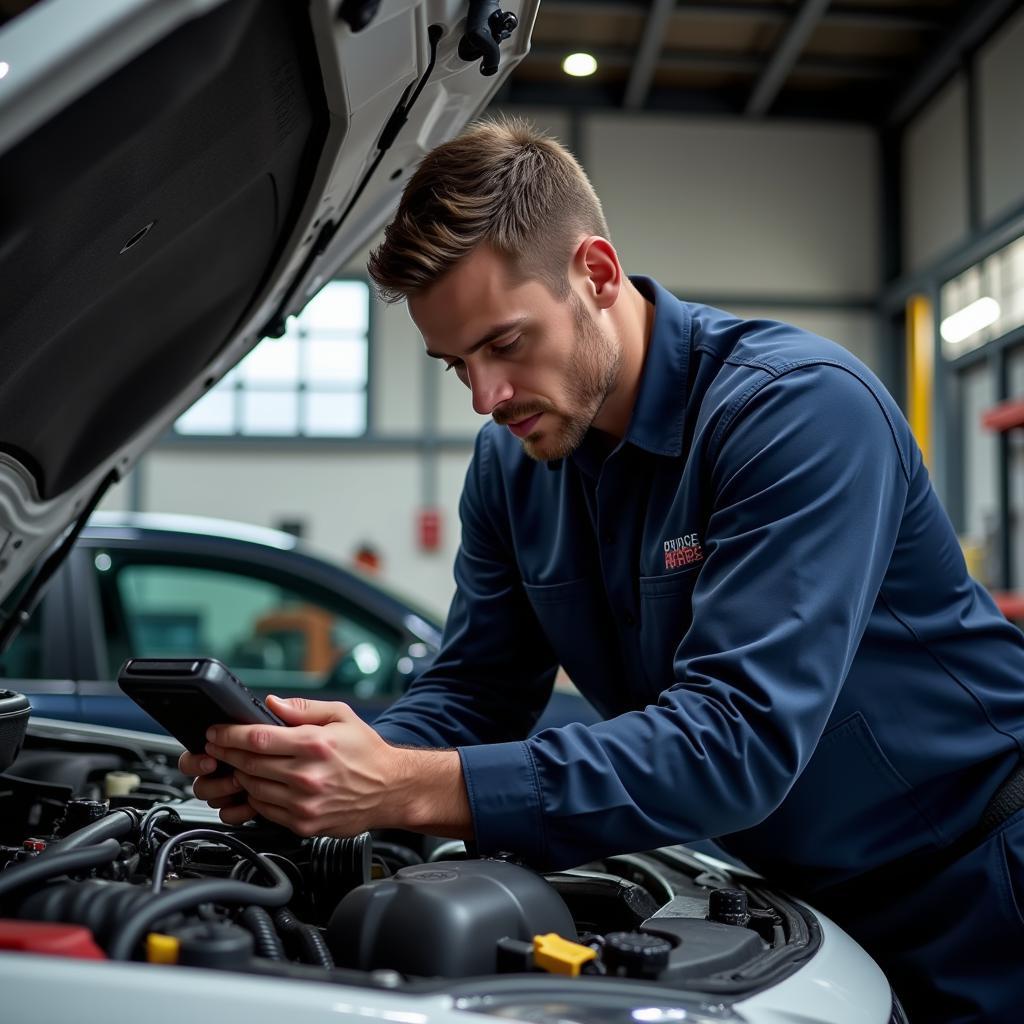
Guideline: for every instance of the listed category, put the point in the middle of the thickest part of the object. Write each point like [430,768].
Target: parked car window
[271,636]
[24,658]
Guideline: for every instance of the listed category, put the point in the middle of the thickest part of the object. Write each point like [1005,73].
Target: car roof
[203,526]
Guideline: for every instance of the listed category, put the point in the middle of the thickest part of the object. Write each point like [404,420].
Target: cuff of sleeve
[504,799]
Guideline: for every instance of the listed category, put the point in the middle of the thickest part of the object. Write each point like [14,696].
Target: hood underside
[143,220]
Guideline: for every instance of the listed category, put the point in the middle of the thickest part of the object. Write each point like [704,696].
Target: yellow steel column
[920,371]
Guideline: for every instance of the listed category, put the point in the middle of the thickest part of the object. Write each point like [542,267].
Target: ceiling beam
[647,54]
[604,98]
[911,19]
[785,57]
[981,18]
[711,60]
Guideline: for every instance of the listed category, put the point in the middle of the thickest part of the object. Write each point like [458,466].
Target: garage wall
[727,207]
[935,207]
[939,172]
[341,498]
[776,220]
[936,175]
[1001,80]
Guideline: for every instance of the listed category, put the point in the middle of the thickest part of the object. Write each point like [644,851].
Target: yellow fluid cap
[556,955]
[162,949]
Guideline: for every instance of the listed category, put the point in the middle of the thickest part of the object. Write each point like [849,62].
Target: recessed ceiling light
[579,65]
[4,68]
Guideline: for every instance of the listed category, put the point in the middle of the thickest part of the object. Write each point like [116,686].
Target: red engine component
[49,939]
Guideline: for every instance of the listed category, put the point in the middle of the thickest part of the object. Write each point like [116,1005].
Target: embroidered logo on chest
[681,551]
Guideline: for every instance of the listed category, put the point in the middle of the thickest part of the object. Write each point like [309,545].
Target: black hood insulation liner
[138,226]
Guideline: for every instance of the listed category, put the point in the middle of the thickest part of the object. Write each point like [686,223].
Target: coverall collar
[656,425]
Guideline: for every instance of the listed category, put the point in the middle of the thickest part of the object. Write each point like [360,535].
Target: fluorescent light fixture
[579,65]
[959,326]
[4,68]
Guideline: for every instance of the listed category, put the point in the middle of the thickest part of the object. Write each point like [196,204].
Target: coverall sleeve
[495,671]
[809,487]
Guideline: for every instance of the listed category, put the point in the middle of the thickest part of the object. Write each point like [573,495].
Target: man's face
[536,364]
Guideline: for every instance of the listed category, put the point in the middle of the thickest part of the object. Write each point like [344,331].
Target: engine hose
[334,867]
[114,825]
[95,904]
[149,820]
[41,868]
[312,949]
[190,895]
[217,839]
[261,924]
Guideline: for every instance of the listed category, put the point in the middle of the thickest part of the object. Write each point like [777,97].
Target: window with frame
[984,302]
[275,634]
[312,382]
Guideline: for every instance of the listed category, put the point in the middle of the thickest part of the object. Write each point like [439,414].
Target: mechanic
[724,531]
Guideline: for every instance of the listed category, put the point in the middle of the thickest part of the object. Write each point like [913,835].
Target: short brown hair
[501,183]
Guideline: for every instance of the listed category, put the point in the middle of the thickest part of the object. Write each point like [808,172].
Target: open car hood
[176,178]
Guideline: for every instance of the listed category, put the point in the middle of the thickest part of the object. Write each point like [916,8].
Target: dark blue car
[285,621]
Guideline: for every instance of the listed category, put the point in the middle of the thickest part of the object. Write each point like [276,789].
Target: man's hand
[329,773]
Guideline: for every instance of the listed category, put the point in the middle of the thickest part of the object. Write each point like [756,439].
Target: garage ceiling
[873,61]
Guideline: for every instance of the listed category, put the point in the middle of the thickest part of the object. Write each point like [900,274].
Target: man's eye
[452,365]
[505,350]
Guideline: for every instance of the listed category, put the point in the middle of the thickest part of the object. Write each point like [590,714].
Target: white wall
[936,147]
[1001,80]
[721,206]
[398,368]
[709,208]
[935,207]
[341,498]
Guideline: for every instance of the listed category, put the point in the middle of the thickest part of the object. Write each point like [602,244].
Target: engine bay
[105,854]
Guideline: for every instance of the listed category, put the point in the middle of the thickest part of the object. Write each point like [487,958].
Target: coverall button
[628,618]
[608,537]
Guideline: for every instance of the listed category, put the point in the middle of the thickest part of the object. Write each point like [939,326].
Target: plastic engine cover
[444,919]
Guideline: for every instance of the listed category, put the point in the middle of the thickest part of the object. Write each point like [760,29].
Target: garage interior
[853,167]
[856,168]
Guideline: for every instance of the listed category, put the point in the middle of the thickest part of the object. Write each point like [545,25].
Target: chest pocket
[666,612]
[577,622]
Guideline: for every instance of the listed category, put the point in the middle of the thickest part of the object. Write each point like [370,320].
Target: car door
[276,630]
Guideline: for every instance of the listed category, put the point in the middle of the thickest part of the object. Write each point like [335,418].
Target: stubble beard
[592,373]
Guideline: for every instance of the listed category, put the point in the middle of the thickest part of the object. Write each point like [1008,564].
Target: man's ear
[596,265]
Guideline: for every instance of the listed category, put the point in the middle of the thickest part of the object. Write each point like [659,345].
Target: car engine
[105,854]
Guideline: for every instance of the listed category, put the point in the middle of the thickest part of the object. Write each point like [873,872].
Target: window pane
[214,413]
[341,361]
[271,636]
[264,395]
[997,286]
[341,306]
[270,412]
[273,361]
[981,461]
[24,658]
[330,414]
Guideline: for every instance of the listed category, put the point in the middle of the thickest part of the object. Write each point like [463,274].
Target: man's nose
[490,388]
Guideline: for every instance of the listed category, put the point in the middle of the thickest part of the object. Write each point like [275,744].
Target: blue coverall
[760,592]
